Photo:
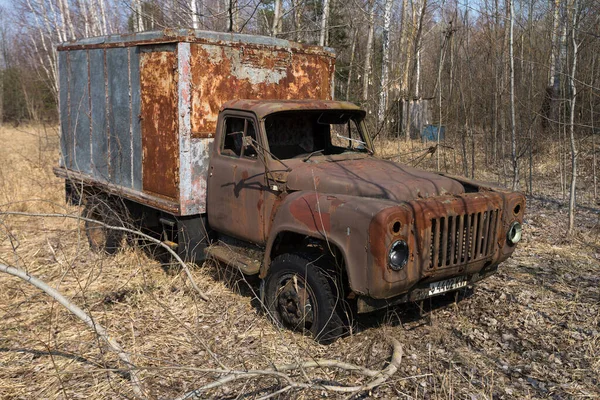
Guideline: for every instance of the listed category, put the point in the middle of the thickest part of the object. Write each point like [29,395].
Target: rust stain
[160,144]
[311,213]
[223,73]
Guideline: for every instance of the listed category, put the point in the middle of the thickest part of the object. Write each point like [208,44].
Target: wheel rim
[295,303]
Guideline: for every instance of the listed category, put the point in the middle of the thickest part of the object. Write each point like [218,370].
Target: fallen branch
[82,315]
[122,229]
[290,383]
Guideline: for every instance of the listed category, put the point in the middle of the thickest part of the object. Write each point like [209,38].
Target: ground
[531,331]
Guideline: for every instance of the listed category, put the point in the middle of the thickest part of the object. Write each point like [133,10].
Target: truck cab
[335,227]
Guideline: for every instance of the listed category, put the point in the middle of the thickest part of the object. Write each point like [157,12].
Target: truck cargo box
[139,112]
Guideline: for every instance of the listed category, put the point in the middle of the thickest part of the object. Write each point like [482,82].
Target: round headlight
[514,233]
[398,256]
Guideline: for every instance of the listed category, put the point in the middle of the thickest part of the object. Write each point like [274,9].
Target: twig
[277,372]
[122,229]
[82,315]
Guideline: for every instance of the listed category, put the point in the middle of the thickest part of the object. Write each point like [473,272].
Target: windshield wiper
[352,140]
[312,154]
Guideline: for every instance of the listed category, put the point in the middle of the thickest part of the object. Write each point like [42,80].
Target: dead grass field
[532,331]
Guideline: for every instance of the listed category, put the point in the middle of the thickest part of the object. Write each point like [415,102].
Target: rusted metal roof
[262,108]
[193,36]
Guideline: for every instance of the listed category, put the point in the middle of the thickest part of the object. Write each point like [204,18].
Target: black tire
[100,238]
[296,279]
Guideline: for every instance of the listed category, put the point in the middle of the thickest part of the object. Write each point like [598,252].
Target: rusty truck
[230,146]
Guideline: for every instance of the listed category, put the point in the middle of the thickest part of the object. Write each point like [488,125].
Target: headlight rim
[514,233]
[391,264]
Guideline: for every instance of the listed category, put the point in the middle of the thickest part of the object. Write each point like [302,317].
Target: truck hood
[371,177]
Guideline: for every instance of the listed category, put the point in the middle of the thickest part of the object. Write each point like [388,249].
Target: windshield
[297,134]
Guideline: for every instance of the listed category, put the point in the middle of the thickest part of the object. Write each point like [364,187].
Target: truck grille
[462,238]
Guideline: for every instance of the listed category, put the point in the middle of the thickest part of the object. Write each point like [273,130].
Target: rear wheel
[101,238]
[304,297]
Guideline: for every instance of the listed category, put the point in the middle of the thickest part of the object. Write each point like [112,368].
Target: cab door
[236,180]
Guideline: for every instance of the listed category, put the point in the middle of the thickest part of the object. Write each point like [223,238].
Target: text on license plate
[447,285]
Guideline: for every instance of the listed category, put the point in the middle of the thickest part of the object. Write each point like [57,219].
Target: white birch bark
[104,26]
[324,23]
[139,25]
[368,50]
[276,28]
[85,15]
[69,22]
[351,66]
[383,94]
[194,10]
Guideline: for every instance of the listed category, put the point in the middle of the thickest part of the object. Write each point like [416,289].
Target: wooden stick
[82,315]
[122,229]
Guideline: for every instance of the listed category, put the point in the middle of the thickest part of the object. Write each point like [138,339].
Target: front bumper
[420,291]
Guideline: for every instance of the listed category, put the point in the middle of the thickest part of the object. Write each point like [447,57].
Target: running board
[227,255]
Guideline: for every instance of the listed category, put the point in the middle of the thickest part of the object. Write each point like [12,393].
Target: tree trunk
[573,90]
[194,11]
[513,129]
[351,66]
[324,23]
[298,9]
[555,69]
[417,50]
[276,28]
[383,94]
[593,82]
[368,51]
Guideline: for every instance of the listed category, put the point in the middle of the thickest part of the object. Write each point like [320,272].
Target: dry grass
[532,331]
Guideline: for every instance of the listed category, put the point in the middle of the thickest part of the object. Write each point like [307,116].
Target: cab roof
[262,108]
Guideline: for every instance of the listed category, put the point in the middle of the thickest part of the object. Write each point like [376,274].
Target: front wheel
[304,297]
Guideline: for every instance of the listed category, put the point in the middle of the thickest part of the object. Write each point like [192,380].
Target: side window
[234,143]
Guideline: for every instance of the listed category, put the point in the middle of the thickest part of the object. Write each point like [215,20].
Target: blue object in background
[430,133]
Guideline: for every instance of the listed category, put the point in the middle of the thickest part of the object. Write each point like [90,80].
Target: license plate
[447,285]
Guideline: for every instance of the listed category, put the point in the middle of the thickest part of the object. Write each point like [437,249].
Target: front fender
[338,219]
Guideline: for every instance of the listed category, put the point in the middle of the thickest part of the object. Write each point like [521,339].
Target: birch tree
[368,49]
[324,23]
[276,29]
[383,93]
[194,11]
[572,99]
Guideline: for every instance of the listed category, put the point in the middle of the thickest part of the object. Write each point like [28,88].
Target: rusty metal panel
[100,157]
[136,126]
[63,82]
[221,73]
[160,142]
[79,110]
[118,116]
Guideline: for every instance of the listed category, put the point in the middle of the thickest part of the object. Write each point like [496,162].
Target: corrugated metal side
[100,109]
[119,116]
[79,110]
[63,82]
[100,161]
[136,126]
